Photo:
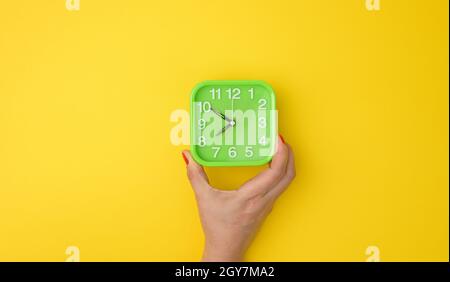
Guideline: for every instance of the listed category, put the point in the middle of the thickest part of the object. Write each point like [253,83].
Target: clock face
[233,123]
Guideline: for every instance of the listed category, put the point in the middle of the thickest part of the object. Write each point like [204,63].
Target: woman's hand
[230,219]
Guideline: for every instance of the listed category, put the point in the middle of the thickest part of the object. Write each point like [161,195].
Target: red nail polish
[185,159]
[282,139]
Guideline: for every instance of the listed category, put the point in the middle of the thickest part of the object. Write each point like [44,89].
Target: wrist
[222,253]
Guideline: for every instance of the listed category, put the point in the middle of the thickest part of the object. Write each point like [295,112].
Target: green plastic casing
[273,122]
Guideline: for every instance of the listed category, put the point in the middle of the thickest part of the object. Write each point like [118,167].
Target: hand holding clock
[230,219]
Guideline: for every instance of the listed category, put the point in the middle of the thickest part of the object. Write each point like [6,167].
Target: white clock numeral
[234,93]
[232,152]
[248,151]
[251,91]
[202,141]
[215,93]
[263,140]
[262,104]
[202,123]
[216,151]
[205,107]
[262,123]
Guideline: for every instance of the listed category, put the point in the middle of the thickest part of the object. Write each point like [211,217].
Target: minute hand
[221,115]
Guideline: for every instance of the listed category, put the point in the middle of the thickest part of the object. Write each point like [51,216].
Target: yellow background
[86,96]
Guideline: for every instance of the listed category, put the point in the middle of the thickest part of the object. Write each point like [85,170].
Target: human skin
[231,219]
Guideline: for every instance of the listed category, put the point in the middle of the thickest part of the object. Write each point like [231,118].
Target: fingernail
[184,158]
[282,139]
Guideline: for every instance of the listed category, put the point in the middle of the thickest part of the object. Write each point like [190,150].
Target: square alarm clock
[233,123]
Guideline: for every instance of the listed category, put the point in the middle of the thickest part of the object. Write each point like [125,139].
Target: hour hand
[225,128]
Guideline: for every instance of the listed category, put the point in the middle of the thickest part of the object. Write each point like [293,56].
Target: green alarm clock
[233,123]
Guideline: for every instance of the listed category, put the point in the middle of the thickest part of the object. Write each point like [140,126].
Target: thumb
[196,174]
